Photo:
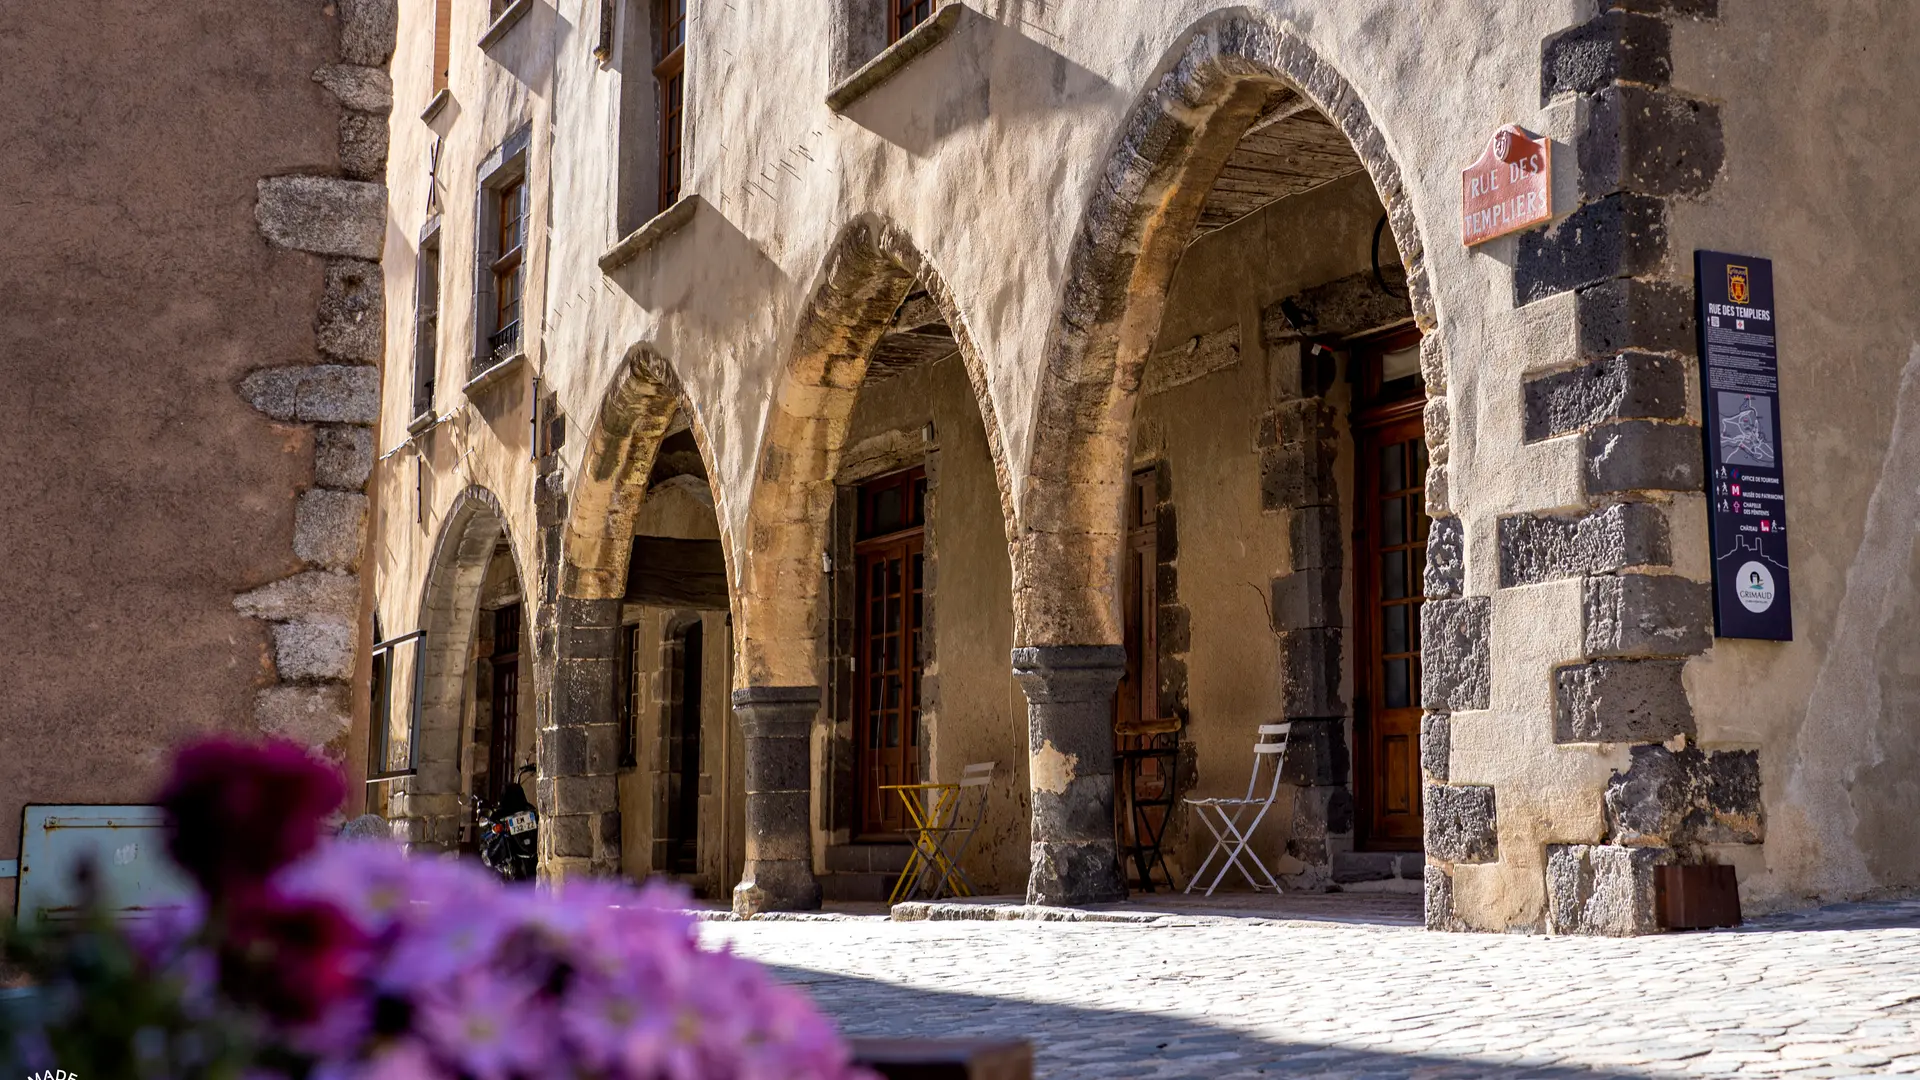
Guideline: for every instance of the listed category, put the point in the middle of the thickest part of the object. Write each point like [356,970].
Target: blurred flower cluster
[339,959]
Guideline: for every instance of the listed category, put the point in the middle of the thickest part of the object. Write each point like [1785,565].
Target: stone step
[1350,867]
[845,888]
[868,858]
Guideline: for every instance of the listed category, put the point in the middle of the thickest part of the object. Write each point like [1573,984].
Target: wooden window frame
[1374,414]
[905,540]
[903,16]
[442,43]
[505,225]
[503,740]
[670,79]
[426,323]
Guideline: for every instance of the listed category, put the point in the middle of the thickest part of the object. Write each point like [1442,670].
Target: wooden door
[889,651]
[504,739]
[1390,558]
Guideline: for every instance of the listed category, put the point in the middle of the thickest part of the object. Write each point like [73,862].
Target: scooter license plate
[520,822]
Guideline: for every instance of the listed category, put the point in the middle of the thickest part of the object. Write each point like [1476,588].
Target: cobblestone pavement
[1830,993]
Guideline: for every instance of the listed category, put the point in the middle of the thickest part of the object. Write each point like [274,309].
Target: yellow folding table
[930,807]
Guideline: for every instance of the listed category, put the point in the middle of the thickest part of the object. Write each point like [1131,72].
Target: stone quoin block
[342,457]
[1307,598]
[1602,889]
[1313,537]
[368,30]
[363,145]
[1461,826]
[1651,142]
[1310,672]
[1622,235]
[1626,386]
[360,88]
[1686,799]
[316,594]
[1620,701]
[308,715]
[352,312]
[329,527]
[323,215]
[1299,445]
[1438,887]
[1626,314]
[318,393]
[1619,45]
[313,649]
[1541,548]
[1456,670]
[1647,615]
[1436,744]
[1641,455]
[1317,754]
[1446,571]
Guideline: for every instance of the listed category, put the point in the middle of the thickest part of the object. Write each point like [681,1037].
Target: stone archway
[868,273]
[590,537]
[1233,71]
[1148,200]
[427,806]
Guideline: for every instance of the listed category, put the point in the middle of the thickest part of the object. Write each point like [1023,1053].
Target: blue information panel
[1746,487]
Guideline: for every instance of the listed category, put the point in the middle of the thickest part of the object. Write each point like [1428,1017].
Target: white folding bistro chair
[969,813]
[1223,815]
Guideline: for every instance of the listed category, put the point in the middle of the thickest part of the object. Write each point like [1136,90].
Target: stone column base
[1075,859]
[775,722]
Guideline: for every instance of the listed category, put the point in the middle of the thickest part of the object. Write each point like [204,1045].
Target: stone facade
[1044,254]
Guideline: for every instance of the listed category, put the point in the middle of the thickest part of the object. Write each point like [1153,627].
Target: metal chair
[1222,816]
[945,818]
[969,813]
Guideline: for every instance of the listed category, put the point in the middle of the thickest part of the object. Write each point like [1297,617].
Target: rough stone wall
[142,292]
[340,217]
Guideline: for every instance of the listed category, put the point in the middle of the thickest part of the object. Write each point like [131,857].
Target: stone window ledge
[513,13]
[439,102]
[420,423]
[896,57]
[494,373]
[656,229]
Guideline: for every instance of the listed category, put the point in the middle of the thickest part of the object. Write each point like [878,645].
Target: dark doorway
[1145,737]
[683,754]
[889,657]
[504,737]
[1390,558]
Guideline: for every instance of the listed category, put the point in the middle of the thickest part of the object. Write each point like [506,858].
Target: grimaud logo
[1754,586]
[1739,284]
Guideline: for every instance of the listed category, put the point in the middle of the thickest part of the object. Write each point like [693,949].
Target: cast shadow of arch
[1077,1043]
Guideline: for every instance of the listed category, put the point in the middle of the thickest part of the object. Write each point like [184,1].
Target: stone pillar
[1069,688]
[579,748]
[775,722]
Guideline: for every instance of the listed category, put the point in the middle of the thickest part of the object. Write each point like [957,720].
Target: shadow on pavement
[1085,1043]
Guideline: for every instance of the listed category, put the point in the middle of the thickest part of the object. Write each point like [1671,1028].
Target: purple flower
[238,811]
[291,957]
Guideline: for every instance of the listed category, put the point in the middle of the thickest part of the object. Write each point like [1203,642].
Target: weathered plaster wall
[141,293]
[1818,178]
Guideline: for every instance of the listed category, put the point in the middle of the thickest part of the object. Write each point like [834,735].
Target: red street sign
[1510,188]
